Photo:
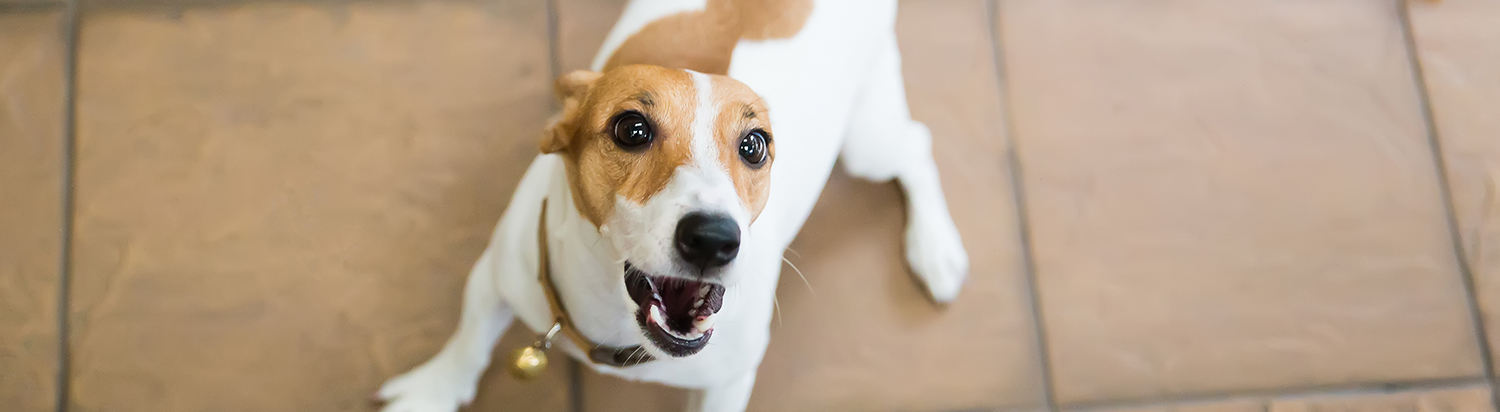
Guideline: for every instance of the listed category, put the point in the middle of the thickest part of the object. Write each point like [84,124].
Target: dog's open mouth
[677,314]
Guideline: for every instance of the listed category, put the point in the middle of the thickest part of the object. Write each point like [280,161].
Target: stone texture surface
[1458,42]
[1229,196]
[278,203]
[860,335]
[31,120]
[1473,399]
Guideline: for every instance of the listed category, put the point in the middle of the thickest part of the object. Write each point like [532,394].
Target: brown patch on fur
[741,111]
[598,169]
[772,19]
[703,41]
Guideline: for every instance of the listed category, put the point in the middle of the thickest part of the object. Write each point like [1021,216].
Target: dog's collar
[598,353]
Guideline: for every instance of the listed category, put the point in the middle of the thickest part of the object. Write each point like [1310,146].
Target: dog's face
[672,167]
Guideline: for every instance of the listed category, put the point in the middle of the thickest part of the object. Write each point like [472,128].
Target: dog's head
[671,166]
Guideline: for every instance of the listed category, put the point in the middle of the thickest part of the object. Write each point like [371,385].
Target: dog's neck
[587,272]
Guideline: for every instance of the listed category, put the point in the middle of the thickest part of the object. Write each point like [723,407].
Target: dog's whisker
[799,274]
[607,338]
[630,356]
[641,351]
[794,253]
[778,310]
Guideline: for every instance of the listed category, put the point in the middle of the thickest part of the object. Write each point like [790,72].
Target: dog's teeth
[691,335]
[703,292]
[697,303]
[703,323]
[656,315]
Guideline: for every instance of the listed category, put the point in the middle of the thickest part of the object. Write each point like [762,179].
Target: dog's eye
[632,131]
[753,148]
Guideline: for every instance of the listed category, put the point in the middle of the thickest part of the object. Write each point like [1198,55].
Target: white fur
[832,90]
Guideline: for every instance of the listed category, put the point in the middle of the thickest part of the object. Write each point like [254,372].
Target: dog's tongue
[684,301]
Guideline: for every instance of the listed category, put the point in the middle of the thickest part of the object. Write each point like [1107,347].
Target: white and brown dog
[663,185]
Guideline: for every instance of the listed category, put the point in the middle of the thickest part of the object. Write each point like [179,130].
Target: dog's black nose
[707,241]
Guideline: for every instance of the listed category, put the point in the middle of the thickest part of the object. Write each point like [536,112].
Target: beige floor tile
[278,203]
[581,27]
[31,108]
[860,335]
[1459,44]
[610,394]
[1474,399]
[1230,195]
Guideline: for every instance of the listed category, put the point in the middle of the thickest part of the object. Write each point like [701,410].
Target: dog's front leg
[885,143]
[732,396]
[449,379]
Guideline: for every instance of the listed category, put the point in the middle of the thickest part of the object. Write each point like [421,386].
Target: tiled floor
[1171,205]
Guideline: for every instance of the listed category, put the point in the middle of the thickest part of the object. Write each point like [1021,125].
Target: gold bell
[529,362]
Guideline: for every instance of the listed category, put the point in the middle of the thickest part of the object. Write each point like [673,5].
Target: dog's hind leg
[449,379]
[733,396]
[885,143]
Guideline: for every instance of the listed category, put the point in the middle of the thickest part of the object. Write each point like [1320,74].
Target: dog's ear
[571,89]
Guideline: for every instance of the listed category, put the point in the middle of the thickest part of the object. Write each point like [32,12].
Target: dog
[678,172]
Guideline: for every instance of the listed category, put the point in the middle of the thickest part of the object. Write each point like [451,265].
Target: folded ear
[571,89]
[574,85]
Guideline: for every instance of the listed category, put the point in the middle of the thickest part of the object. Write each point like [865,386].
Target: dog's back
[698,36]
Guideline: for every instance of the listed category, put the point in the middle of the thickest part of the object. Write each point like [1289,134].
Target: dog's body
[831,86]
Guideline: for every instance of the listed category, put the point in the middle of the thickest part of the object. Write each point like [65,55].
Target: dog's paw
[428,388]
[936,253]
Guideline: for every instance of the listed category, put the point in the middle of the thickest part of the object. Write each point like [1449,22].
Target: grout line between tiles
[1018,196]
[575,385]
[65,251]
[554,50]
[1369,388]
[1445,190]
[554,62]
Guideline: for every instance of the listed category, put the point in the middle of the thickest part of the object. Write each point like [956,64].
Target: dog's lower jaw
[664,340]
